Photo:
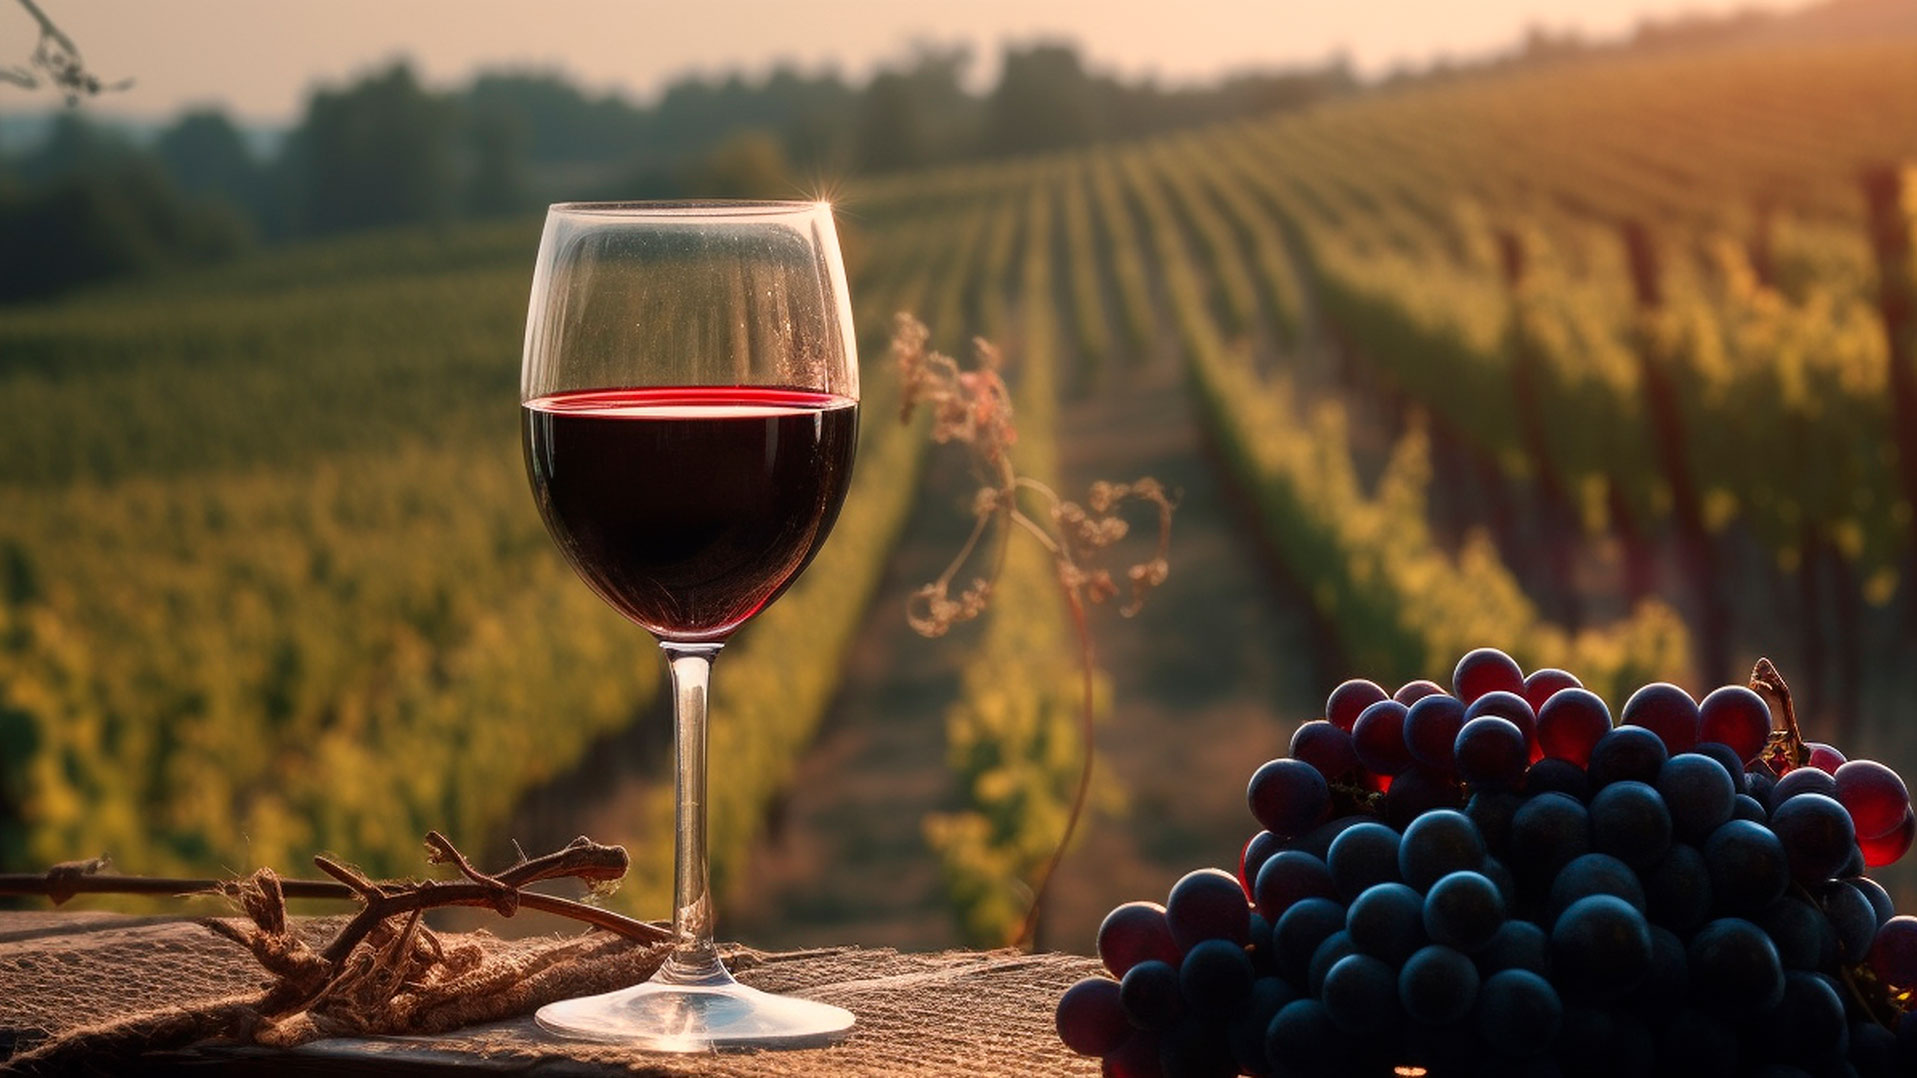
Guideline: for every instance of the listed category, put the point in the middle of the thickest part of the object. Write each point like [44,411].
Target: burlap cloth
[960,1013]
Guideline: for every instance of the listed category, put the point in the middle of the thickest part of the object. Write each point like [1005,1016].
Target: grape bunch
[1497,879]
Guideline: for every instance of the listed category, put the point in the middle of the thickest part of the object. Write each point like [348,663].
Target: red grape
[1541,685]
[1486,670]
[1824,757]
[1887,848]
[1090,1019]
[1893,955]
[1735,716]
[1349,700]
[1512,708]
[1571,722]
[1132,933]
[1258,849]
[1288,797]
[1491,752]
[1325,747]
[1379,738]
[1207,904]
[1413,691]
[1876,797]
[1431,730]
[1665,710]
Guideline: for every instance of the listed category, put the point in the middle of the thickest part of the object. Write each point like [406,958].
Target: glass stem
[695,958]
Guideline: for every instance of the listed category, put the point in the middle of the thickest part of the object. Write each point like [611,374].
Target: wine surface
[689,509]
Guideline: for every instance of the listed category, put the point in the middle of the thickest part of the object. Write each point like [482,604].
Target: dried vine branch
[973,408]
[56,60]
[383,971]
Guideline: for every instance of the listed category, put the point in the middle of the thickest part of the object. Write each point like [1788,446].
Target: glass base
[719,1016]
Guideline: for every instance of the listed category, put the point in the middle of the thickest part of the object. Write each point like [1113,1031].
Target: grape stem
[1785,750]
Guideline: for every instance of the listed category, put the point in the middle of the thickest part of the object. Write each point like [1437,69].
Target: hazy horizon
[633,51]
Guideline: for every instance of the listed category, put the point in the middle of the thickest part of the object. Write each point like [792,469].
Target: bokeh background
[1583,329]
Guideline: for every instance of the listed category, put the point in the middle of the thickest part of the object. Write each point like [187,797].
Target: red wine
[689,509]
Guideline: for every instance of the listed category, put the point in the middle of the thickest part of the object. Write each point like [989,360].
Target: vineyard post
[1655,346]
[1559,522]
[1890,192]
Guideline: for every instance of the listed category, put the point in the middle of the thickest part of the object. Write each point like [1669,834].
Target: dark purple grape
[1630,821]
[1195,1050]
[1260,848]
[1749,869]
[1216,976]
[1726,758]
[1541,685]
[1570,723]
[1878,898]
[1132,933]
[1492,810]
[1290,877]
[1886,849]
[1668,985]
[1735,970]
[1875,796]
[1600,948]
[1349,700]
[1735,716]
[1326,748]
[1438,985]
[1761,782]
[1805,937]
[1817,836]
[1378,737]
[1431,731]
[1364,855]
[1361,995]
[1873,1049]
[1288,797]
[1437,844]
[1335,946]
[1318,841]
[1207,904]
[1548,832]
[1511,706]
[1627,753]
[1418,791]
[1667,711]
[1893,954]
[1491,753]
[1299,932]
[1677,889]
[1595,874]
[1700,1044]
[1091,1020]
[1699,793]
[1808,1025]
[1149,993]
[1463,911]
[1746,807]
[1485,670]
[1304,1035]
[1518,1013]
[1387,922]
[1802,780]
[1136,1058]
[1557,775]
[1245,1035]
[1516,945]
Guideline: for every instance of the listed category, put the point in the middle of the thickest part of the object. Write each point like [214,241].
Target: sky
[260,58]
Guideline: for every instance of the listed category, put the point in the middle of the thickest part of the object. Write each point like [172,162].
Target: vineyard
[1610,364]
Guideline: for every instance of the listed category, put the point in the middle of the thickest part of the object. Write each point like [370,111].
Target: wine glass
[690,409]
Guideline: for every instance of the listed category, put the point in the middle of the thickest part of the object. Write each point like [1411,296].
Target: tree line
[88,203]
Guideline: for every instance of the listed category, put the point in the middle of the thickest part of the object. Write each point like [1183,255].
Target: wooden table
[979,1014]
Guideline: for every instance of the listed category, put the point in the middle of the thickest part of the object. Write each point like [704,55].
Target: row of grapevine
[271,583]
[1401,606]
[1012,736]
